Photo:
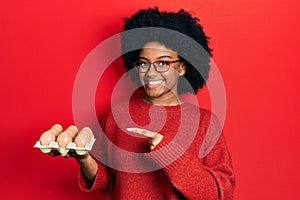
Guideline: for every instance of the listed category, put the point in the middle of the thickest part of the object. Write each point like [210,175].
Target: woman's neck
[175,101]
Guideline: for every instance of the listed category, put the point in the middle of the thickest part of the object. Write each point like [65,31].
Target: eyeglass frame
[154,64]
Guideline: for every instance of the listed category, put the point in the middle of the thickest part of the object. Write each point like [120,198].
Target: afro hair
[182,22]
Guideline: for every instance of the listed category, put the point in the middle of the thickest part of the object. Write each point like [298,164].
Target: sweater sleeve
[102,181]
[206,178]
[104,177]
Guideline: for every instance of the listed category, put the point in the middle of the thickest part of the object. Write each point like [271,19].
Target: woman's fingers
[71,154]
[141,131]
[155,138]
[155,141]
[54,153]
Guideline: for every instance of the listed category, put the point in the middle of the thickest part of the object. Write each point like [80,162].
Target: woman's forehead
[157,49]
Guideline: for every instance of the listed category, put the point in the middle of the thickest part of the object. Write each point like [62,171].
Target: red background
[256,47]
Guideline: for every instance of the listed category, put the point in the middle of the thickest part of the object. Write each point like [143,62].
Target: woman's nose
[152,69]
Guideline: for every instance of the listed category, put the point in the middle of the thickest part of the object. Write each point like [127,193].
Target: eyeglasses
[159,66]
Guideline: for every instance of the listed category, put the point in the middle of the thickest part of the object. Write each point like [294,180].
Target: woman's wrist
[82,159]
[88,166]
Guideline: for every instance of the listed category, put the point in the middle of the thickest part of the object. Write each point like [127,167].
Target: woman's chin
[153,94]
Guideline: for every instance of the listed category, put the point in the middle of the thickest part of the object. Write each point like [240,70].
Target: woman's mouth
[153,83]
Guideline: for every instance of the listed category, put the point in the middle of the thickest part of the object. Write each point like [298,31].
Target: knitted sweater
[175,169]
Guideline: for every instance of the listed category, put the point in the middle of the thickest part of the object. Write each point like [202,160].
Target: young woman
[164,133]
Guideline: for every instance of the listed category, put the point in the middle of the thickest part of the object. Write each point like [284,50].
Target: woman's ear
[182,69]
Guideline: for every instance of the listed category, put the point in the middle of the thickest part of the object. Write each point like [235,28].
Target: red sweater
[174,170]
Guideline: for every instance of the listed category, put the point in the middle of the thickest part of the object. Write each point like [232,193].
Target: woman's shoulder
[196,108]
[205,114]
[131,103]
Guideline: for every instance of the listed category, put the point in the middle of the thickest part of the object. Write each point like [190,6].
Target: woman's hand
[86,162]
[155,138]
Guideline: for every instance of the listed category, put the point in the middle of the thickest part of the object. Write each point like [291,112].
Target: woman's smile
[152,84]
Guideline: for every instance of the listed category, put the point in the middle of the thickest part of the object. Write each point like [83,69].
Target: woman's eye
[141,63]
[163,63]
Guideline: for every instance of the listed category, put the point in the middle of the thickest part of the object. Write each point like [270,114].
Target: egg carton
[65,150]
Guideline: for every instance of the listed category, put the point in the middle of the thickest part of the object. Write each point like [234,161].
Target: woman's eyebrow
[160,57]
[141,57]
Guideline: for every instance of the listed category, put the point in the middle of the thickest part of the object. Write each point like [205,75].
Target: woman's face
[160,87]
